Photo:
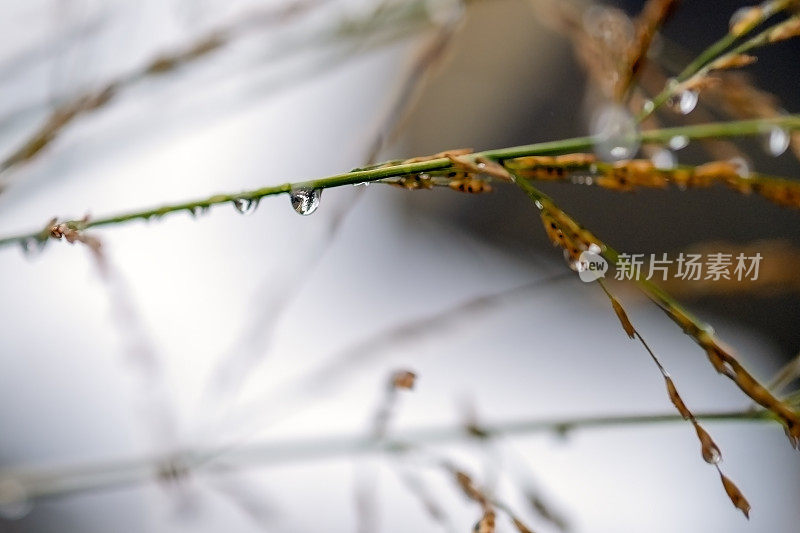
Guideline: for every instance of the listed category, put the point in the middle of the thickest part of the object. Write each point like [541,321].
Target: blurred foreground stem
[101,476]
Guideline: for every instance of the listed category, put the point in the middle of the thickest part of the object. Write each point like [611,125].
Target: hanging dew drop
[594,248]
[580,178]
[684,102]
[27,246]
[679,142]
[777,141]
[648,106]
[620,152]
[306,201]
[742,166]
[663,159]
[688,101]
[616,134]
[574,264]
[32,246]
[14,500]
[245,206]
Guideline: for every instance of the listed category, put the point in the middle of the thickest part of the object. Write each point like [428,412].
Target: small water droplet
[684,102]
[594,248]
[620,152]
[581,178]
[777,141]
[306,201]
[616,134]
[32,246]
[711,455]
[245,206]
[14,500]
[663,159]
[742,166]
[648,106]
[574,264]
[738,16]
[678,142]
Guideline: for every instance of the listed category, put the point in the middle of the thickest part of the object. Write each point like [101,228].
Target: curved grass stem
[720,357]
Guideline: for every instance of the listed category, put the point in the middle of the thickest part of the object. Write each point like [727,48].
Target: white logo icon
[591,266]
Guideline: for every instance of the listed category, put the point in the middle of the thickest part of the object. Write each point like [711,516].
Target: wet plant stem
[701,332]
[703,131]
[715,51]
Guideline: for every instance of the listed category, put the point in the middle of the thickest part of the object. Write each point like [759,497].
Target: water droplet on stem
[32,246]
[684,102]
[663,159]
[678,142]
[245,206]
[616,132]
[305,201]
[777,141]
[742,166]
